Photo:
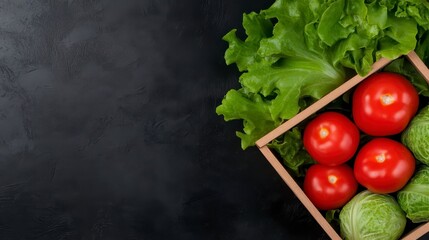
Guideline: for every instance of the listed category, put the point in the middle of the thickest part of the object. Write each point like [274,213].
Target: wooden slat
[288,179]
[319,104]
[417,232]
[419,64]
[296,189]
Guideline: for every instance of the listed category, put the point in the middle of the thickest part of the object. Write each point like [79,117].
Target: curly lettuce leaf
[367,31]
[244,53]
[252,109]
[290,149]
[282,71]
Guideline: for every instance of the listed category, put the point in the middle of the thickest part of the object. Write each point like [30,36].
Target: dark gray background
[108,127]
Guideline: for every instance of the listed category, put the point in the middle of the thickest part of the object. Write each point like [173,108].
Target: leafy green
[415,136]
[372,216]
[254,111]
[290,148]
[332,216]
[414,197]
[244,53]
[279,69]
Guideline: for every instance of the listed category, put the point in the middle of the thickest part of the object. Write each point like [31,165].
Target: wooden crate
[289,180]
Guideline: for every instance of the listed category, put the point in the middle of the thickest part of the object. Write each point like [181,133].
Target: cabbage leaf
[415,136]
[414,197]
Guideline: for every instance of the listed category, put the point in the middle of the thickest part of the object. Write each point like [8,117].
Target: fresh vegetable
[416,136]
[384,103]
[297,51]
[331,138]
[414,197]
[290,148]
[330,187]
[383,165]
[283,68]
[290,56]
[372,216]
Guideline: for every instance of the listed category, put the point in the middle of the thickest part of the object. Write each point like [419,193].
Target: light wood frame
[289,180]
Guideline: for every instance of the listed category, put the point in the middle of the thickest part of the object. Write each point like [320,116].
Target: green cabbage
[372,216]
[414,197]
[415,136]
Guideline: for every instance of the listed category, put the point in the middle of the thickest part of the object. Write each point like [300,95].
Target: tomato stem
[323,133]
[332,179]
[380,158]
[386,99]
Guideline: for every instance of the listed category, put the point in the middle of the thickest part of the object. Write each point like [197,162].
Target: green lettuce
[290,148]
[282,64]
[297,51]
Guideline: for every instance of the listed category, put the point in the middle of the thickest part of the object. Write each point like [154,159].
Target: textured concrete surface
[108,129]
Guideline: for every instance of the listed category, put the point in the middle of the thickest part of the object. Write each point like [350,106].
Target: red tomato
[330,187]
[384,165]
[331,138]
[384,103]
